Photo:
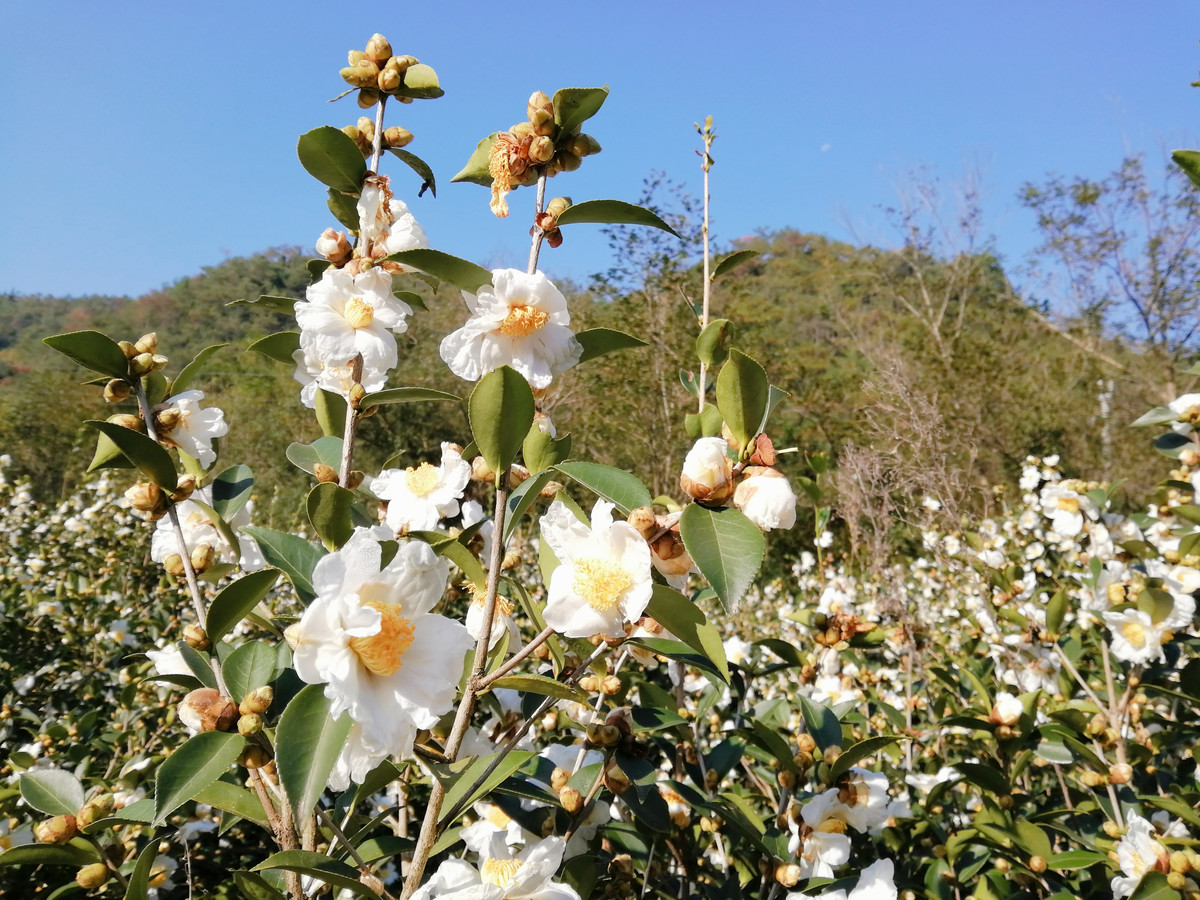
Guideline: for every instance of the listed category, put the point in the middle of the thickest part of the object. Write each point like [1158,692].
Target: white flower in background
[168,661]
[370,637]
[1138,852]
[492,820]
[766,498]
[1007,710]
[181,422]
[603,580]
[345,315]
[528,875]
[472,512]
[313,373]
[1066,508]
[875,882]
[518,320]
[737,651]
[118,632]
[1135,636]
[502,620]
[864,794]
[420,496]
[825,539]
[821,843]
[1187,410]
[198,528]
[387,222]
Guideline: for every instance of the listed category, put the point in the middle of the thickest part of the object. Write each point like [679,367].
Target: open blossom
[313,373]
[1187,408]
[503,875]
[384,658]
[345,315]
[1066,508]
[387,222]
[182,422]
[519,320]
[1136,638]
[603,580]
[707,470]
[420,496]
[1138,852]
[820,840]
[875,882]
[198,528]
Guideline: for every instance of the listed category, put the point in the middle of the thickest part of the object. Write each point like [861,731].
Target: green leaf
[147,455]
[1189,161]
[332,157]
[706,423]
[307,743]
[199,762]
[541,452]
[318,866]
[406,395]
[1056,610]
[252,665]
[108,456]
[574,106]
[52,791]
[743,393]
[344,208]
[200,663]
[331,413]
[235,600]
[420,83]
[501,410]
[285,305]
[233,799]
[278,346]
[255,887]
[328,508]
[599,341]
[683,618]
[622,488]
[326,450]
[680,651]
[525,495]
[476,169]
[1153,886]
[93,350]
[139,878]
[419,166]
[1055,752]
[73,855]
[727,548]
[1076,859]
[822,724]
[231,490]
[857,753]
[192,370]
[461,273]
[294,555]
[460,777]
[453,550]
[712,346]
[731,261]
[613,212]
[987,777]
[540,684]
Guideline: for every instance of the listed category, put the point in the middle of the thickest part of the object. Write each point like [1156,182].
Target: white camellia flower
[864,795]
[1135,636]
[876,882]
[766,498]
[518,320]
[313,373]
[821,843]
[198,528]
[1187,408]
[1066,508]
[528,875]
[707,470]
[345,315]
[603,580]
[182,422]
[419,497]
[1007,710]
[1138,852]
[370,637]
[387,222]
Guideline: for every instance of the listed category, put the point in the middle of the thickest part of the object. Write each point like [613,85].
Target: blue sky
[143,141]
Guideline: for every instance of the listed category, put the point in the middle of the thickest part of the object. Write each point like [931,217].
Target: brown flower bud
[367,98]
[1121,773]
[568,161]
[1037,864]
[354,57]
[196,637]
[378,49]
[395,136]
[117,390]
[559,778]
[250,725]
[185,486]
[174,565]
[128,349]
[616,780]
[58,830]
[787,874]
[335,246]
[145,496]
[92,876]
[142,364]
[362,74]
[542,122]
[571,800]
[94,810]
[258,701]
[125,420]
[622,865]
[557,206]
[324,473]
[204,709]
[354,478]
[389,80]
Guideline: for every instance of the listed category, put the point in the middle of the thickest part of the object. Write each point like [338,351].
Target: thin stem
[1116,711]
[708,137]
[516,659]
[377,141]
[538,234]
[363,866]
[356,368]
[1070,667]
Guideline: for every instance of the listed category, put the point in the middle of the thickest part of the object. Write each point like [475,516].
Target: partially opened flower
[198,528]
[370,637]
[313,373]
[419,497]
[1138,852]
[387,222]
[875,882]
[182,422]
[603,580]
[819,839]
[766,498]
[527,875]
[518,320]
[345,315]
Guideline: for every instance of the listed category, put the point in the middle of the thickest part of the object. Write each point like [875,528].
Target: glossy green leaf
[108,456]
[731,261]
[198,762]
[419,166]
[252,665]
[712,346]
[460,779]
[1153,886]
[344,208]
[727,548]
[332,157]
[476,169]
[328,507]
[140,812]
[680,616]
[540,451]
[331,413]
[74,855]
[285,305]
[233,799]
[147,455]
[622,488]
[540,684]
[743,393]
[255,887]
[1189,161]
[461,273]
[420,83]
[600,341]
[279,346]
[234,601]
[53,791]
[318,866]
[1077,859]
[613,212]
[294,555]
[523,497]
[680,651]
[857,753]
[139,879]
[985,776]
[326,450]
[406,395]
[706,423]
[193,370]
[574,106]
[822,724]
[501,410]
[307,743]
[231,490]
[200,664]
[1055,752]
[93,350]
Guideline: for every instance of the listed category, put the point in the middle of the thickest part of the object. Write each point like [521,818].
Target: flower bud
[709,824]
[571,800]
[334,246]
[592,732]
[158,362]
[1176,881]
[1037,864]
[203,557]
[362,74]
[480,472]
[125,420]
[610,735]
[92,876]
[787,874]
[355,477]
[257,701]
[541,149]
[1120,773]
[250,725]
[568,161]
[1180,862]
[142,364]
[395,136]
[58,830]
[354,57]
[708,471]
[522,130]
[621,865]
[361,140]
[557,206]
[324,473]
[538,102]
[559,778]
[254,757]
[367,98]
[389,80]
[378,49]
[585,145]
[147,343]
[174,565]
[117,390]
[196,637]
[293,635]
[145,496]
[94,810]
[1007,709]
[542,123]
[204,709]
[616,780]
[128,349]
[611,684]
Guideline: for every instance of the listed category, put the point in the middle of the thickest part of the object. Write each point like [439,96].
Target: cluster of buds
[363,134]
[537,146]
[376,72]
[205,709]
[143,359]
[840,629]
[712,475]
[547,221]
[661,532]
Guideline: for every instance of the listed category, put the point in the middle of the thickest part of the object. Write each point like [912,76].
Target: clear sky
[142,141]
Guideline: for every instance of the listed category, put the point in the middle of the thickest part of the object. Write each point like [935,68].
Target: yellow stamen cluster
[422,480]
[498,817]
[499,871]
[1135,633]
[600,582]
[523,321]
[383,652]
[358,313]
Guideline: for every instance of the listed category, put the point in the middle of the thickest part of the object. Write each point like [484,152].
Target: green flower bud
[117,390]
[92,876]
[367,98]
[250,725]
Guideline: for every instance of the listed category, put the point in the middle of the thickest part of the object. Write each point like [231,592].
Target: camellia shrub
[508,672]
